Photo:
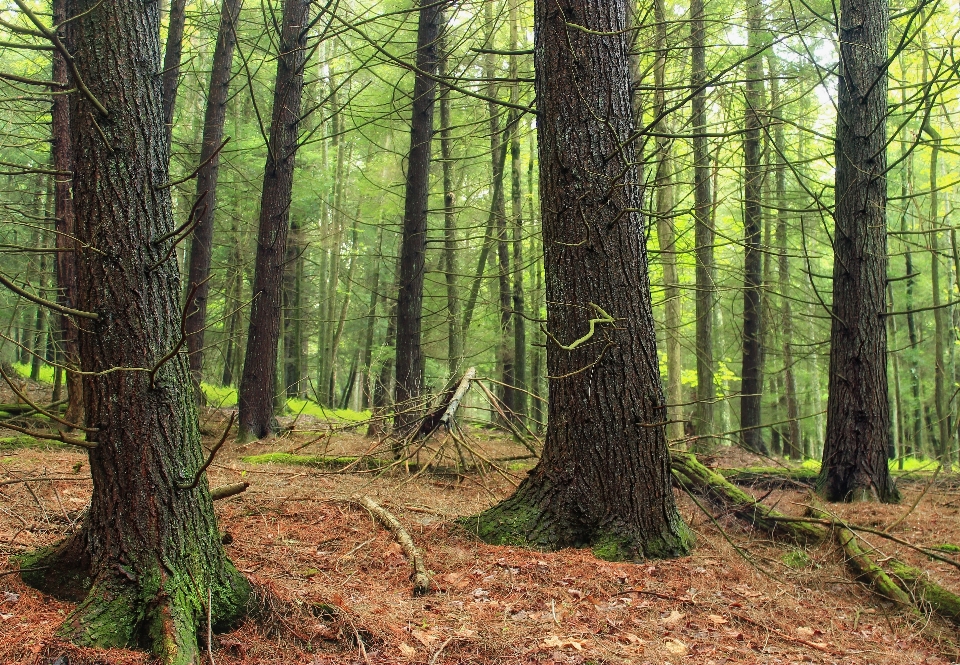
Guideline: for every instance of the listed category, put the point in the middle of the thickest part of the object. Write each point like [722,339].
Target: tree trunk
[604,479]
[409,365]
[171,65]
[148,552]
[66,258]
[201,246]
[454,334]
[293,312]
[792,445]
[258,382]
[858,411]
[516,213]
[703,233]
[367,355]
[751,384]
[666,233]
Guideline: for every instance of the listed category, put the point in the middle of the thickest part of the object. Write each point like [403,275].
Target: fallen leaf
[803,631]
[632,639]
[676,647]
[9,597]
[426,639]
[674,618]
[407,650]
[717,619]
[555,642]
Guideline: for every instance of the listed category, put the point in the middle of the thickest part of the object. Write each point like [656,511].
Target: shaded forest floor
[295,532]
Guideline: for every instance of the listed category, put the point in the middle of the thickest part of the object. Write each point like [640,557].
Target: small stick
[421,579]
[225,491]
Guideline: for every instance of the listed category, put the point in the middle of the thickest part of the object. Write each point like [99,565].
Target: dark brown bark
[148,552]
[171,64]
[751,374]
[409,365]
[516,213]
[604,479]
[63,210]
[201,247]
[703,231]
[858,411]
[258,382]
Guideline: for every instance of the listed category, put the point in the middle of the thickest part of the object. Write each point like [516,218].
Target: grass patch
[226,397]
[22,441]
[46,372]
[315,461]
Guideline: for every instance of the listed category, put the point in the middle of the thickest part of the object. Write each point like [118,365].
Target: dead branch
[226,491]
[420,577]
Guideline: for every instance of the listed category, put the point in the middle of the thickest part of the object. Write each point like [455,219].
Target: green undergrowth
[225,397]
[46,372]
[24,441]
[315,461]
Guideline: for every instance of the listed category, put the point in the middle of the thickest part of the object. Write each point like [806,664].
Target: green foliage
[46,372]
[26,441]
[796,558]
[315,461]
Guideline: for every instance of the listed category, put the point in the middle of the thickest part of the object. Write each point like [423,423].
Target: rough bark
[258,382]
[148,553]
[201,246]
[751,374]
[409,366]
[603,480]
[63,210]
[703,232]
[858,411]
[516,214]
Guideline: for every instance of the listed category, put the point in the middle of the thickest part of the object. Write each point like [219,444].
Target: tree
[414,240]
[148,552]
[201,247]
[858,411]
[604,479]
[172,56]
[751,387]
[259,378]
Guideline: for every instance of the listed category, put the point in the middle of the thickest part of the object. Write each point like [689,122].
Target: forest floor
[738,598]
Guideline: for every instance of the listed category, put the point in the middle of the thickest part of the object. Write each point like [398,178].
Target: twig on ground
[421,579]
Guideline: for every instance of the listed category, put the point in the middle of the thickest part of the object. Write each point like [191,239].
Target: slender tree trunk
[409,365]
[703,233]
[234,309]
[171,64]
[148,553]
[258,383]
[516,212]
[201,247]
[293,312]
[666,233]
[367,362]
[66,258]
[858,411]
[454,334]
[342,318]
[604,479]
[751,386]
[793,445]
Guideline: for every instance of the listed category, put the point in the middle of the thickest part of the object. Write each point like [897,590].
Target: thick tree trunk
[148,552]
[201,246]
[858,411]
[703,232]
[66,258]
[258,383]
[409,365]
[751,384]
[604,479]
[171,64]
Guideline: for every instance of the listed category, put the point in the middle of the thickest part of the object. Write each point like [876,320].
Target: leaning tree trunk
[858,411]
[604,478]
[414,241]
[66,257]
[201,247]
[751,386]
[703,233]
[148,552]
[258,381]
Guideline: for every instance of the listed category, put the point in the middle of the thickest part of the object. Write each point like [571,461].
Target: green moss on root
[315,461]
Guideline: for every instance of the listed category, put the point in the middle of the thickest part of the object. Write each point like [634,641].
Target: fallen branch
[420,577]
[226,491]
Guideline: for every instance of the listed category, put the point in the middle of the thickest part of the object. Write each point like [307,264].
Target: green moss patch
[316,461]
